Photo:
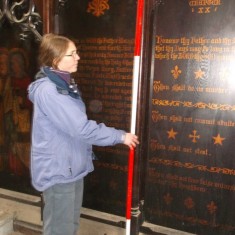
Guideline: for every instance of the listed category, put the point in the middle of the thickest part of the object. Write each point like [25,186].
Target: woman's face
[69,61]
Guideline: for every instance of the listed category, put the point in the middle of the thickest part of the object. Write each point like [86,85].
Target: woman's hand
[131,140]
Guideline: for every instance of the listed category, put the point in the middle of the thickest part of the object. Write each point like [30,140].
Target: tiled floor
[27,215]
[88,227]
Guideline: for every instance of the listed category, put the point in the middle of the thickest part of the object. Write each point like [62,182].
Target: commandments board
[104,35]
[191,166]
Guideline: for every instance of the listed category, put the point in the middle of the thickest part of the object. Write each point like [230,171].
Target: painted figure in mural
[3,80]
[21,112]
[14,112]
[62,136]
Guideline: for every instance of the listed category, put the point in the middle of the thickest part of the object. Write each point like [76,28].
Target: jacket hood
[40,78]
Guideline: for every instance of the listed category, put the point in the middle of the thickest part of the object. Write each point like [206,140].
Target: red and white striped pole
[135,82]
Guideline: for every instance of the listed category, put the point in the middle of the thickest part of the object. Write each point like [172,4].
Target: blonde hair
[52,49]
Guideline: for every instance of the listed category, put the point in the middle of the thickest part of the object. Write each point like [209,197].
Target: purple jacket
[62,136]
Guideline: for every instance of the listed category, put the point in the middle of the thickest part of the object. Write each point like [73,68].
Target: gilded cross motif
[98,7]
[194,136]
[212,208]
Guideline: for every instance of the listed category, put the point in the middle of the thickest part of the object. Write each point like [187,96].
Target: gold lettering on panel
[204,6]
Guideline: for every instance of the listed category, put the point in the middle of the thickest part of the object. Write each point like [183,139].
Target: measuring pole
[135,82]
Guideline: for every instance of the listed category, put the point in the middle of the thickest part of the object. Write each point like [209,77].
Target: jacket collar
[64,83]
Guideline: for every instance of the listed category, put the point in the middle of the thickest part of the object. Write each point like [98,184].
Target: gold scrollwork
[166,102]
[189,165]
[189,104]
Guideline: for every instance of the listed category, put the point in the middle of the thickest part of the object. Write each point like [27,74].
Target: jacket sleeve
[68,115]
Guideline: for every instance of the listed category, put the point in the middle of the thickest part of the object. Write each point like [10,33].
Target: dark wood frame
[140,167]
[46,10]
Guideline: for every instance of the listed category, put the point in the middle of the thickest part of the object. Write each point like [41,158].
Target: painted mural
[15,111]
[16,72]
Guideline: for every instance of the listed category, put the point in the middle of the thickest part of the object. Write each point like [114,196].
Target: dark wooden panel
[190,175]
[104,34]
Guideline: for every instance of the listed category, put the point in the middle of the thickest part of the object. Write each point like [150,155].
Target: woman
[62,136]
